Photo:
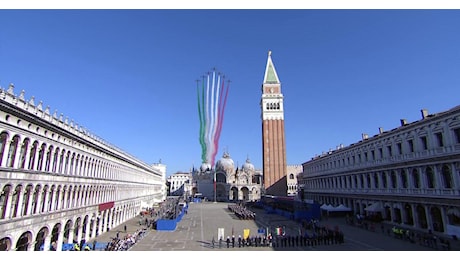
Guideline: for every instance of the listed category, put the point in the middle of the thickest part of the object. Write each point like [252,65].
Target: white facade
[408,176]
[293,171]
[180,184]
[59,183]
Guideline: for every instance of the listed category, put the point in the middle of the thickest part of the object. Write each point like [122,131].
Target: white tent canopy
[327,207]
[331,208]
[342,207]
[375,207]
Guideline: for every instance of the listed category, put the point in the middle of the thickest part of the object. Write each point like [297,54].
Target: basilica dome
[225,163]
[248,166]
[205,166]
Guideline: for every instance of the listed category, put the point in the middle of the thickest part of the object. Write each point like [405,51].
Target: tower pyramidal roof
[270,73]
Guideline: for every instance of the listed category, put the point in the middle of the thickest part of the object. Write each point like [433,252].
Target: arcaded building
[409,176]
[61,184]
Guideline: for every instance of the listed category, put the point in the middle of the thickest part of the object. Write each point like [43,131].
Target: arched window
[376,180]
[32,155]
[3,139]
[12,151]
[23,152]
[55,160]
[61,162]
[41,156]
[415,178]
[48,158]
[447,177]
[404,179]
[394,182]
[430,177]
[384,180]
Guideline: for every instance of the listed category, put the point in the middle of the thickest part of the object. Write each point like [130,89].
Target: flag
[246,233]
[220,233]
[279,231]
[214,181]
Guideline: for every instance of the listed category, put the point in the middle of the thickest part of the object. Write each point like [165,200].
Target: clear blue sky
[128,76]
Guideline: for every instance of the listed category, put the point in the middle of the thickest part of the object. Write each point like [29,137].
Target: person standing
[228,242]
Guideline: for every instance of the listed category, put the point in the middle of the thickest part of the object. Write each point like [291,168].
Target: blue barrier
[170,224]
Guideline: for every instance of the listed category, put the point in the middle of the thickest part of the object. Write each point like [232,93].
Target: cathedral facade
[225,182]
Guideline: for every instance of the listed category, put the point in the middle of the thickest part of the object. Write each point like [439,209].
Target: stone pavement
[198,227]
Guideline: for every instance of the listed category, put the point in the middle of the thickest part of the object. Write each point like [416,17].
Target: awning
[375,207]
[105,206]
[454,211]
[342,207]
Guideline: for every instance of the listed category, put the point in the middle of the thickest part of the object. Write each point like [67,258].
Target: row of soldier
[325,237]
[241,211]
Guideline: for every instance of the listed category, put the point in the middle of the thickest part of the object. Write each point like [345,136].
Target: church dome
[225,163]
[248,166]
[205,166]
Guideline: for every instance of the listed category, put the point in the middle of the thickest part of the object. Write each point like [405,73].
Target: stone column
[87,230]
[5,153]
[415,215]
[60,239]
[109,219]
[46,244]
[428,218]
[71,234]
[94,226]
[29,201]
[8,205]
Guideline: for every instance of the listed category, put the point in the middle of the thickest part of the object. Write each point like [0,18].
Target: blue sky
[129,76]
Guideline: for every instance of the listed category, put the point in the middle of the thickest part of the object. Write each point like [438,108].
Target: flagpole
[215,193]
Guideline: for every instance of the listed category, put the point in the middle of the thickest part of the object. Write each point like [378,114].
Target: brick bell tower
[273,140]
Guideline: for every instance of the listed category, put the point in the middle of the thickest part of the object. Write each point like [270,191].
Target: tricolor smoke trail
[212,98]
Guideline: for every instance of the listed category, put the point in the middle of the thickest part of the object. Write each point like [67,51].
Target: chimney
[380,130]
[365,136]
[403,122]
[424,113]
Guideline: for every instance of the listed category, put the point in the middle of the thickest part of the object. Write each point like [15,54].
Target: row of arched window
[273,106]
[28,154]
[388,149]
[24,200]
[394,179]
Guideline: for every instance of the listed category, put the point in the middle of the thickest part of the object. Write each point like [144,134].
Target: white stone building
[180,184]
[59,183]
[292,172]
[408,176]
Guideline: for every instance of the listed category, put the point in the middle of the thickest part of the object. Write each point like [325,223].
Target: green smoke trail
[200,115]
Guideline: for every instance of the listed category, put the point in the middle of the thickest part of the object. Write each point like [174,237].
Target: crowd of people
[124,243]
[241,211]
[427,239]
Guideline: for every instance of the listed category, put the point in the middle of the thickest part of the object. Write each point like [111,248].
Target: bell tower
[273,140]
